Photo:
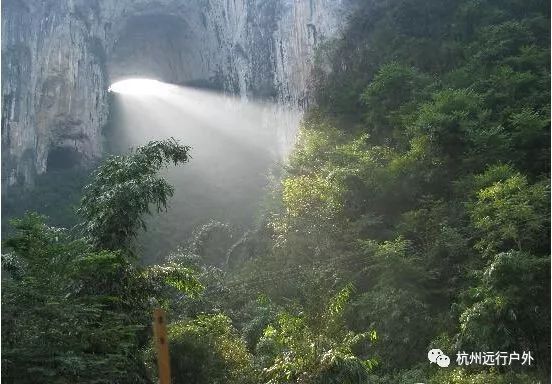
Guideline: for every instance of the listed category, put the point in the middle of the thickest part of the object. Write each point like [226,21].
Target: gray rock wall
[59,57]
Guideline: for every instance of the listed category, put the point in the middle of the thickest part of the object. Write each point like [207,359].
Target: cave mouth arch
[62,159]
[183,53]
[170,48]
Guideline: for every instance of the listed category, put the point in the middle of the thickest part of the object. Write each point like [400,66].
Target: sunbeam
[139,87]
[235,146]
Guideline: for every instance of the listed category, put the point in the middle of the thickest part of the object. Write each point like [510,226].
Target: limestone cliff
[59,57]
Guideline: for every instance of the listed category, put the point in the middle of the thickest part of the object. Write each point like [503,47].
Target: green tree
[122,190]
[391,96]
[300,348]
[509,307]
[509,212]
[209,350]
[54,330]
[78,309]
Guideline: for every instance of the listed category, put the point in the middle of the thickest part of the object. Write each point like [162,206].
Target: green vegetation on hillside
[422,177]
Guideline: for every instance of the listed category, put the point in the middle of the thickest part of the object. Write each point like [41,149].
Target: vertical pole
[161,345]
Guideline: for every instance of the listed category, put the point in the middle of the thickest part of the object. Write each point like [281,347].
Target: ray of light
[140,87]
[236,144]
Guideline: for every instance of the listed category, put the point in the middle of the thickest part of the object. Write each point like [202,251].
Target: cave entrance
[62,158]
[232,142]
[162,47]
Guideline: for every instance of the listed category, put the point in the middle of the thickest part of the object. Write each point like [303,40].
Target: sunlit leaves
[298,351]
[174,275]
[315,141]
[311,195]
[338,302]
[510,213]
[209,350]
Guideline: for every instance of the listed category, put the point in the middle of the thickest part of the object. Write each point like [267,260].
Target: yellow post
[161,345]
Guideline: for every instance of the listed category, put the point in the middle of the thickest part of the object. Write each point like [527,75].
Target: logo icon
[438,357]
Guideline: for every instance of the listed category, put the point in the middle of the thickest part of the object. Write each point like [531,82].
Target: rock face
[59,57]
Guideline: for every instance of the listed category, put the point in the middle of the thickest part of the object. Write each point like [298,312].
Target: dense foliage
[306,349]
[75,309]
[59,322]
[422,175]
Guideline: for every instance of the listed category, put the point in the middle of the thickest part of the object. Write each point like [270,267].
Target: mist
[236,144]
